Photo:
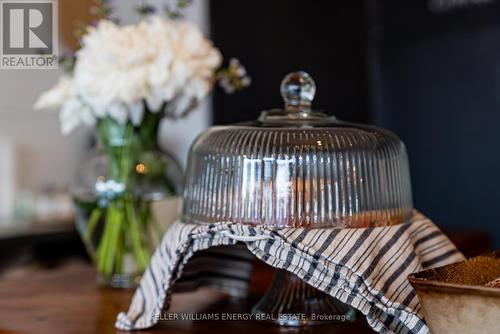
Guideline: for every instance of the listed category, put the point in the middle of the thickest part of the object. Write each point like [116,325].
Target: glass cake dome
[296,167]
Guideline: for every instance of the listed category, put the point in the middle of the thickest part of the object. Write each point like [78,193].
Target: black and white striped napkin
[366,268]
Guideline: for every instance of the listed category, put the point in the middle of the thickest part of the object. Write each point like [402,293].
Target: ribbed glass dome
[295,167]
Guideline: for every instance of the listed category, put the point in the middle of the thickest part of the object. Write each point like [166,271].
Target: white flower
[57,95]
[118,112]
[73,111]
[162,62]
[73,114]
[156,60]
[136,112]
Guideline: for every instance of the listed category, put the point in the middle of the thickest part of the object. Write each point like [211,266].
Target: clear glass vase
[114,190]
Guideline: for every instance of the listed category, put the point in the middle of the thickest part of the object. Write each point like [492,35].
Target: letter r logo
[27,27]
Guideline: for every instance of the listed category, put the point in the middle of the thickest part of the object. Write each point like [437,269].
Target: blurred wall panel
[435,80]
[45,157]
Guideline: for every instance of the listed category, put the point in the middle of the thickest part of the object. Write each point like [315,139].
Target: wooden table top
[68,301]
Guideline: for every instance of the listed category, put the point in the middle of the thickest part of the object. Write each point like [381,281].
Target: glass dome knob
[298,89]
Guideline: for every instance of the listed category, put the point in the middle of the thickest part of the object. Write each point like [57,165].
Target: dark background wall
[428,70]
[273,38]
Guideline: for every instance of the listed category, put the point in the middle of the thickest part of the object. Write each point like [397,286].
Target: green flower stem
[95,216]
[119,255]
[116,225]
[102,249]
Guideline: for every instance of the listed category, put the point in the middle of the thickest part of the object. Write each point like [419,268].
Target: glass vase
[114,192]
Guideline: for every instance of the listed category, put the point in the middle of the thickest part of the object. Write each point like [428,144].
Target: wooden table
[68,301]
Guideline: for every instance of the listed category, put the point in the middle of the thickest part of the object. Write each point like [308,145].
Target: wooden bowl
[454,297]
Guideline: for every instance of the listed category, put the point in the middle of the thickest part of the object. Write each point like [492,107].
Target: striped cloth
[227,268]
[366,268]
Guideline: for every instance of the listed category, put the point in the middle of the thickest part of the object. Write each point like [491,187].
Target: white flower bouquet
[124,80]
